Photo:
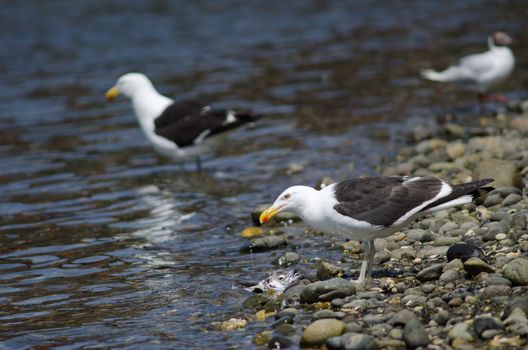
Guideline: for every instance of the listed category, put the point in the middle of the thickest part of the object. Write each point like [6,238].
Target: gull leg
[364,264]
[370,257]
[363,272]
[198,163]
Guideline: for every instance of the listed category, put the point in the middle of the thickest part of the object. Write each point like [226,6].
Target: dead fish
[277,281]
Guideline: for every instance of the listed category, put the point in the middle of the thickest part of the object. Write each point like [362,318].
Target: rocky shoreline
[418,299]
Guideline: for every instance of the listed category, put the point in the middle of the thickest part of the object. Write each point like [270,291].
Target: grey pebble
[415,335]
[485,322]
[430,273]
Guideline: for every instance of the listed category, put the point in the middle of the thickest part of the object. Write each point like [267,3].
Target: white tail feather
[457,201]
[430,74]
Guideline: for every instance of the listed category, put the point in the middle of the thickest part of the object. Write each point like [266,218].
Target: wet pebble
[430,273]
[517,271]
[414,334]
[460,331]
[327,271]
[288,259]
[327,290]
[319,331]
[264,244]
[511,199]
[484,323]
[494,291]
[474,266]
[354,341]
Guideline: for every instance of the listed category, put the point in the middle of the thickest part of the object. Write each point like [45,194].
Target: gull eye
[287,196]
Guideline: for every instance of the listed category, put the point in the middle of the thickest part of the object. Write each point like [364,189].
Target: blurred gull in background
[479,71]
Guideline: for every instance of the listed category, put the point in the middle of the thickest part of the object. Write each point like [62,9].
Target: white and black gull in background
[178,130]
[367,208]
[479,71]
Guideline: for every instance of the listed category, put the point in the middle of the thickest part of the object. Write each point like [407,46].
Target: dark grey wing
[384,200]
[178,111]
[195,126]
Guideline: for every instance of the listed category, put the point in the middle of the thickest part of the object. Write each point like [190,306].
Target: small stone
[449,276]
[493,279]
[511,199]
[455,150]
[261,302]
[288,259]
[414,334]
[520,302]
[412,300]
[294,168]
[323,314]
[455,264]
[327,271]
[264,244]
[327,290]
[319,331]
[420,235]
[262,338]
[354,341]
[396,333]
[485,322]
[428,288]
[353,247]
[460,331]
[500,236]
[402,317]
[250,232]
[441,317]
[517,271]
[494,291]
[279,341]
[492,199]
[428,251]
[334,343]
[474,266]
[448,226]
[446,241]
[231,324]
[430,273]
[519,220]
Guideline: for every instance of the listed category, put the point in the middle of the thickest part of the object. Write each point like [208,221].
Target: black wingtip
[486,181]
[248,116]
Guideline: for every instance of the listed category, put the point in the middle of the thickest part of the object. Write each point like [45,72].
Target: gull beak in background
[267,214]
[112,93]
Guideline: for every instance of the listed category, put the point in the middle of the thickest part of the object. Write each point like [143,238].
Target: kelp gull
[372,207]
[177,130]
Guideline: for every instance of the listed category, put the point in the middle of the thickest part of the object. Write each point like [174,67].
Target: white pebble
[500,236]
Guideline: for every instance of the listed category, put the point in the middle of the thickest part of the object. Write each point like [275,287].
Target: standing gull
[479,71]
[372,207]
[177,130]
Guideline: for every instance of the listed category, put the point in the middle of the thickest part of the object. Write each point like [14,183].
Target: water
[103,243]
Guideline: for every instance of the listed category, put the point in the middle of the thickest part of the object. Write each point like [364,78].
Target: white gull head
[134,84]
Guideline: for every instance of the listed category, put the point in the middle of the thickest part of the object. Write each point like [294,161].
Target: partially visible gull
[372,207]
[177,130]
[479,71]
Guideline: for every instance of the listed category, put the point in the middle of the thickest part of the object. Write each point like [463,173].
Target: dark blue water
[104,244]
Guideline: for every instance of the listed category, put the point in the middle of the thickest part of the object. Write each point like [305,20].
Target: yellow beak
[267,214]
[112,93]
